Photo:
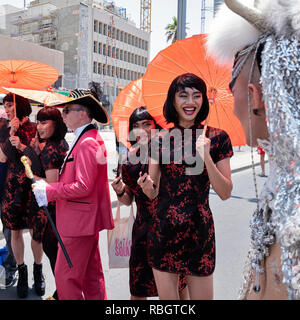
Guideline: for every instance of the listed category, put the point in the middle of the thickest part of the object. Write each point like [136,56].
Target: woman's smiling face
[45,128]
[187,103]
[142,130]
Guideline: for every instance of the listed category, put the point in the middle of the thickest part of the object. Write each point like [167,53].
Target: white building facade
[120,50]
[98,41]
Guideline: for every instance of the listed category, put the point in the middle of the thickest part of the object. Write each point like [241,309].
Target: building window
[100,30]
[108,70]
[118,34]
[113,52]
[99,68]
[121,55]
[95,25]
[125,56]
[129,39]
[95,46]
[109,51]
[104,69]
[122,36]
[117,53]
[104,50]
[95,67]
[112,71]
[125,37]
[105,29]
[146,45]
[100,48]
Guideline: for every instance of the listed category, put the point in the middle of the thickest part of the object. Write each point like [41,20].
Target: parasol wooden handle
[205,127]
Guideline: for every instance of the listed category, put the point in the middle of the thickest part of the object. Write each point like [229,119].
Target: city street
[232,236]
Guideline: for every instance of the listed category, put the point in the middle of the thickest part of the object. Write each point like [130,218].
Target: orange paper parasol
[189,56]
[25,74]
[129,99]
[46,97]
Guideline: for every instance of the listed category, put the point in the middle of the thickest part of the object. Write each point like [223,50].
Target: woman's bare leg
[200,288]
[137,298]
[37,250]
[166,284]
[17,244]
[262,163]
[184,294]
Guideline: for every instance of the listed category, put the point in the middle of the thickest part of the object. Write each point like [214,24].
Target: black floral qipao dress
[141,279]
[51,157]
[17,195]
[182,236]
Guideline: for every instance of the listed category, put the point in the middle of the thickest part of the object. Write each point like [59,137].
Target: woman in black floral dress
[141,280]
[183,165]
[17,191]
[47,152]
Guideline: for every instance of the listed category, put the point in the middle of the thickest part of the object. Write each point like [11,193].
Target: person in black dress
[47,152]
[15,209]
[9,262]
[141,280]
[182,238]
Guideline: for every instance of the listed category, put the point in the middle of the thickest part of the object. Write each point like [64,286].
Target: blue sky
[162,13]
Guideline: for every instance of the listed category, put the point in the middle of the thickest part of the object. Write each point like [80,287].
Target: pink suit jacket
[83,205]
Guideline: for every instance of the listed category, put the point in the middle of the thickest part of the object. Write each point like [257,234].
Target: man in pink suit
[83,206]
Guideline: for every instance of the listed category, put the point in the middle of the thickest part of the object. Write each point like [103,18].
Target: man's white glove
[39,190]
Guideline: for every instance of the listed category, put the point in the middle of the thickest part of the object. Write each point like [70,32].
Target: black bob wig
[52,113]
[187,80]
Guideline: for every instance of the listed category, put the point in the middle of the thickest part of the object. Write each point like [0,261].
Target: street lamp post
[181,19]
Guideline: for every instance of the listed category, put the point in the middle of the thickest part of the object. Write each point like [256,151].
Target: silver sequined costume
[277,217]
[281,88]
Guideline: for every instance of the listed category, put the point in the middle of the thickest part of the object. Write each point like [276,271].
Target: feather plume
[229,33]
[96,90]
[283,16]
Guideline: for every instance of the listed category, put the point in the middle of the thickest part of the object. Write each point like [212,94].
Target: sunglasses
[68,109]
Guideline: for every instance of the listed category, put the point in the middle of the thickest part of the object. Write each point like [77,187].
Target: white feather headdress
[229,32]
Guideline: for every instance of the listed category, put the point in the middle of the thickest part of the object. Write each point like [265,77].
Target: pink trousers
[85,281]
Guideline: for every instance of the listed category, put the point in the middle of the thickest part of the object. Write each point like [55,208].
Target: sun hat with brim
[86,98]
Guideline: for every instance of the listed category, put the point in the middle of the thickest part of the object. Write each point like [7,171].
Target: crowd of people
[173,238]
